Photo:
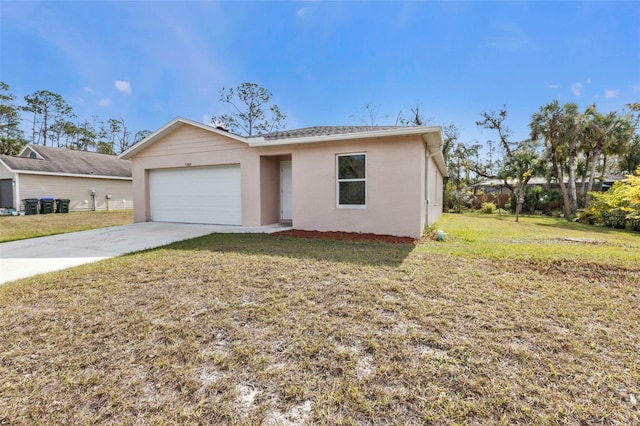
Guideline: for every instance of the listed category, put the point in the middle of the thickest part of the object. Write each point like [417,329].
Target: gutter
[78,175]
[260,141]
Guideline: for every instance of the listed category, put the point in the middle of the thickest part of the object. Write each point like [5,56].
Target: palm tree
[549,124]
[603,134]
[570,135]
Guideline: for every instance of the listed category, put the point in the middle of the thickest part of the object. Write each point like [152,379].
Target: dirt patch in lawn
[591,272]
[353,236]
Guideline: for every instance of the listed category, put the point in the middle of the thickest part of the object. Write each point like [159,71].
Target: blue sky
[149,62]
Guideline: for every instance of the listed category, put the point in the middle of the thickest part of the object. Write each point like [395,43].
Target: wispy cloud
[509,38]
[576,88]
[104,102]
[302,12]
[636,87]
[611,93]
[89,90]
[123,86]
[554,86]
[41,20]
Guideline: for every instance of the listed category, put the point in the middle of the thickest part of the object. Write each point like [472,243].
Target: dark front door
[6,193]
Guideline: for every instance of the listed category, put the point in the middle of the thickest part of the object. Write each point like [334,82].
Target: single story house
[383,180]
[91,181]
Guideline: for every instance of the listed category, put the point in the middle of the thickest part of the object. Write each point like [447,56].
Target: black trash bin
[30,206]
[46,205]
[62,205]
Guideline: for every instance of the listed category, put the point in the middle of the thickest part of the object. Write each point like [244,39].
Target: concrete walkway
[25,258]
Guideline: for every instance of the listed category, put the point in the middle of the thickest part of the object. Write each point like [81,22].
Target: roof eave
[170,127]
[81,175]
[7,166]
[434,143]
[258,142]
[431,135]
[24,148]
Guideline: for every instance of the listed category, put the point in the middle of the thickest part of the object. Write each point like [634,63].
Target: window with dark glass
[352,179]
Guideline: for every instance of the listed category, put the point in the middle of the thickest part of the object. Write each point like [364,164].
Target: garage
[196,195]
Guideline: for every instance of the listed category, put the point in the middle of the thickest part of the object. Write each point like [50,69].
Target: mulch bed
[353,236]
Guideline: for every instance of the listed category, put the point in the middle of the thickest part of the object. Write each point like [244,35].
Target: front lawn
[22,227]
[535,323]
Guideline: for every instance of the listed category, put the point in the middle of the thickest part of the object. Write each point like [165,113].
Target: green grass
[256,329]
[23,227]
[535,238]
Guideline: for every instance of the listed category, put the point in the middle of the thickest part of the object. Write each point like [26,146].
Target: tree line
[50,121]
[566,145]
[570,148]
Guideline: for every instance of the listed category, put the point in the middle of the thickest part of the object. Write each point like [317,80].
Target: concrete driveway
[21,259]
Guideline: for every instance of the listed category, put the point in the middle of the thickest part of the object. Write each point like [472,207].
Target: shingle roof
[431,134]
[307,132]
[67,161]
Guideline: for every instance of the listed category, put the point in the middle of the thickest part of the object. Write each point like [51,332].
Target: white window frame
[338,181]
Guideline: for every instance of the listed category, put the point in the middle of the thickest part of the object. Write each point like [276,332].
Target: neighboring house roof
[537,180]
[432,136]
[62,161]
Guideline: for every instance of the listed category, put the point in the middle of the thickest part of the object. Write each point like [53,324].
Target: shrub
[619,207]
[488,208]
[457,199]
[539,199]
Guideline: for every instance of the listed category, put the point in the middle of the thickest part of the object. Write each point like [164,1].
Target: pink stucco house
[382,180]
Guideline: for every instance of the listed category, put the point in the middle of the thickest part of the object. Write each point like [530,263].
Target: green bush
[619,207]
[457,199]
[488,208]
[539,199]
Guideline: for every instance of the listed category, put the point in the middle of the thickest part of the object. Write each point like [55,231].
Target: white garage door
[196,195]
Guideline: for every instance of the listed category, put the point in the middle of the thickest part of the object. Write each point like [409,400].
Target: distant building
[91,181]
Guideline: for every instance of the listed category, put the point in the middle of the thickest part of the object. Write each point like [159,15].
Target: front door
[6,193]
[285,191]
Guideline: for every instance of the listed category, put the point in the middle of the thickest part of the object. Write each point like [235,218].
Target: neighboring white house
[382,180]
[91,181]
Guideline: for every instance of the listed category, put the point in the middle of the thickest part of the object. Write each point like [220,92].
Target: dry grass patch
[23,227]
[252,329]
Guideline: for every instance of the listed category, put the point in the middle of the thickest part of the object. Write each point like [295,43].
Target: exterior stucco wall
[76,189]
[192,147]
[394,187]
[395,173]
